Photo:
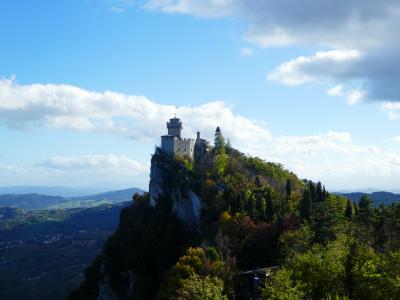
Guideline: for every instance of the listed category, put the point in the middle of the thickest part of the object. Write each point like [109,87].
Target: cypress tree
[269,215]
[288,188]
[349,210]
[306,205]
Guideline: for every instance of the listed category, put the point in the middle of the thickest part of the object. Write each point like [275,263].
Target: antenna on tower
[176,108]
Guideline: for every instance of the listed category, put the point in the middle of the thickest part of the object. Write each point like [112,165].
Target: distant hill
[43,253]
[114,196]
[40,201]
[61,191]
[386,198]
[29,201]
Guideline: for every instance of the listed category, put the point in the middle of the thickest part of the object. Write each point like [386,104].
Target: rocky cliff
[169,182]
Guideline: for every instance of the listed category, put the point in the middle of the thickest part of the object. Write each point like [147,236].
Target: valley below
[44,253]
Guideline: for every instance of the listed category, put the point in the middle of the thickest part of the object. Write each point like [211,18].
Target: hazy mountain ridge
[39,201]
[380,197]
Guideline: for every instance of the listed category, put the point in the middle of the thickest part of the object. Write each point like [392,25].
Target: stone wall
[184,147]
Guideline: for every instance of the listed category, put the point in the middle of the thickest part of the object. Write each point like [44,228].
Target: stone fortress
[173,143]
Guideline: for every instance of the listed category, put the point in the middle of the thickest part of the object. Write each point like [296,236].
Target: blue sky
[322,102]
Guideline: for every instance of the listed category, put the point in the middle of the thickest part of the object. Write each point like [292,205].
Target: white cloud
[335,91]
[355,96]
[70,107]
[392,109]
[342,24]
[305,69]
[331,157]
[368,27]
[334,159]
[103,163]
[245,51]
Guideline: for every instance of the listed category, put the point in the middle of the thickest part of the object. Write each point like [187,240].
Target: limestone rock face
[157,188]
[187,207]
[169,181]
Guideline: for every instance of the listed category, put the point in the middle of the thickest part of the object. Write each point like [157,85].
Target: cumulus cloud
[335,91]
[96,162]
[332,157]
[137,117]
[392,109]
[364,75]
[339,24]
[330,64]
[367,27]
[355,96]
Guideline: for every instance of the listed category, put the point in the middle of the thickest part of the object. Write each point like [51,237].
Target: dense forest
[256,217]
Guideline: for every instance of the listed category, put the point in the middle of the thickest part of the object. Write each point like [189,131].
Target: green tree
[306,205]
[295,242]
[220,162]
[349,210]
[282,287]
[288,188]
[322,269]
[366,210]
[198,288]
[219,140]
[195,276]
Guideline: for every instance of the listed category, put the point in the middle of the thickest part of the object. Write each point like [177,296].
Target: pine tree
[219,140]
[349,210]
[306,205]
[366,209]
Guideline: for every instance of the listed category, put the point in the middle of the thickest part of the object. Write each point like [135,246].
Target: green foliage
[199,288]
[220,163]
[186,162]
[282,287]
[295,242]
[376,276]
[349,210]
[366,212]
[321,270]
[195,276]
[306,205]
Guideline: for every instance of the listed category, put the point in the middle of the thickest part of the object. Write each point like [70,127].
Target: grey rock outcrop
[169,181]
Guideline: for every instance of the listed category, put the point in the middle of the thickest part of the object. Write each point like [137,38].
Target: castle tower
[175,127]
